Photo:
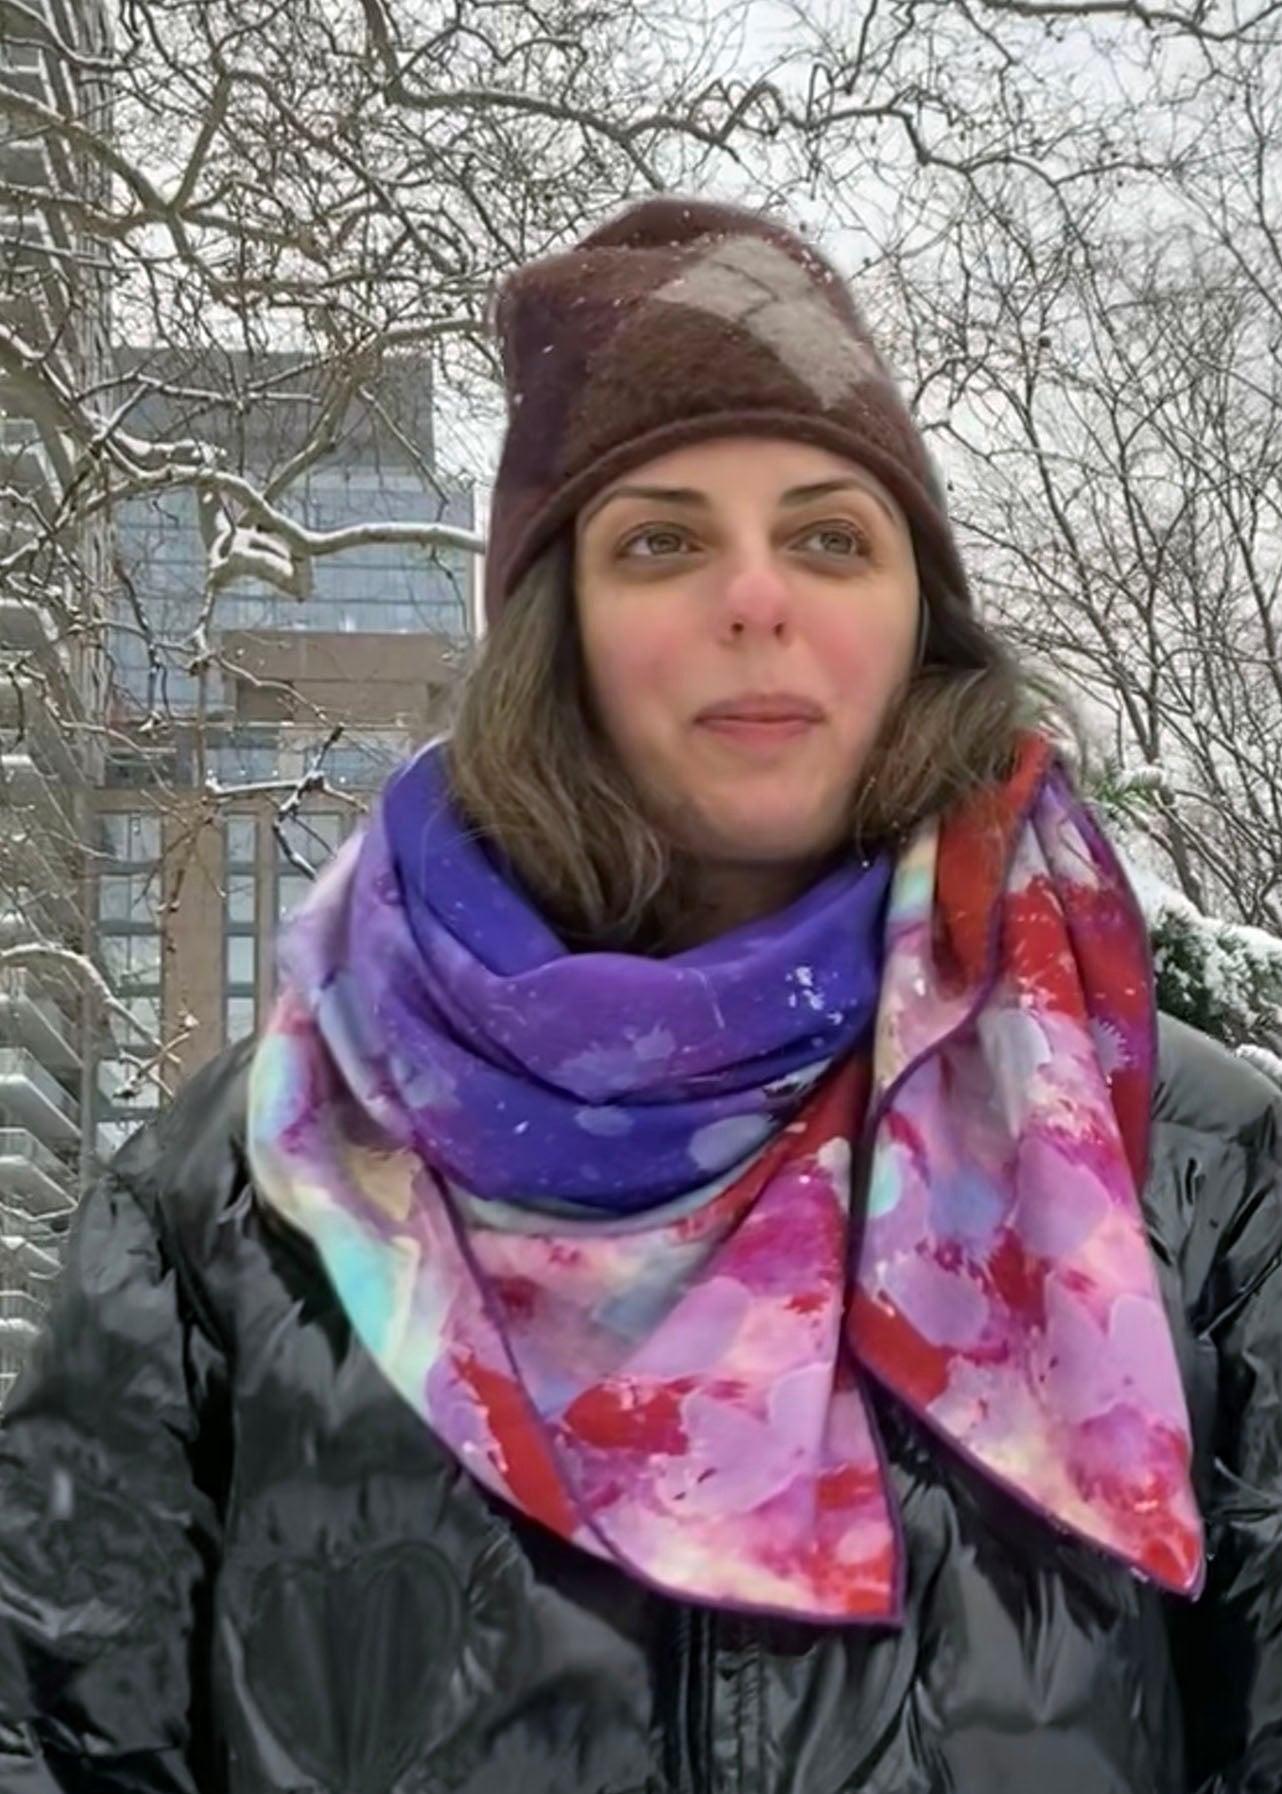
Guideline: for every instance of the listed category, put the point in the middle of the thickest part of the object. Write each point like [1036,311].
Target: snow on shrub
[1223,977]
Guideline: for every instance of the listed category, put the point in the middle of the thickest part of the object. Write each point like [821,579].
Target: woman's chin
[761,837]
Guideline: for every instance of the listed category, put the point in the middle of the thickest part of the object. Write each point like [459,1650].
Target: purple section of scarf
[529,1073]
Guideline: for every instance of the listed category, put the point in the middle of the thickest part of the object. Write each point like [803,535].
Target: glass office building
[253,768]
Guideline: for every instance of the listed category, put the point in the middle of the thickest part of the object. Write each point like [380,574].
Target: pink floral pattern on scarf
[684,1393]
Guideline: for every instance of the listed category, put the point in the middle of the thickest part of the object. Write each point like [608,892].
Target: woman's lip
[763,707]
[760,730]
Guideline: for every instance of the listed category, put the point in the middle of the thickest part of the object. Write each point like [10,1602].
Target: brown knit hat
[678,321]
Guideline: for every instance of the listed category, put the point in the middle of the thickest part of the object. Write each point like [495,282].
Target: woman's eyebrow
[668,495]
[798,495]
[691,497]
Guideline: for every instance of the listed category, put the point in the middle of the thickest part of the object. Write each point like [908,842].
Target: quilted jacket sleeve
[108,1523]
[1230,1645]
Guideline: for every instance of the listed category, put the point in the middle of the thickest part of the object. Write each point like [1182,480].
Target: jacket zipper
[695,1642]
[740,1636]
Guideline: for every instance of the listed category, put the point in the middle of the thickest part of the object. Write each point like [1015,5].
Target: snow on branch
[152,1053]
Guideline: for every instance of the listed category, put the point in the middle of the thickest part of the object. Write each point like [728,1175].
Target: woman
[713,1279]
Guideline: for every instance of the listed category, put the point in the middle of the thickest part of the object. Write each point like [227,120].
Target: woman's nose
[755,600]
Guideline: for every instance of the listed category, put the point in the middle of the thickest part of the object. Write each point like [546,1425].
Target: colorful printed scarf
[634,1235]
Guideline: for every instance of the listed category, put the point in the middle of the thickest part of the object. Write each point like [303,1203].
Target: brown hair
[536,776]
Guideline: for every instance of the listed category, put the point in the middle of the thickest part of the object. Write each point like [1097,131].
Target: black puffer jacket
[231,1558]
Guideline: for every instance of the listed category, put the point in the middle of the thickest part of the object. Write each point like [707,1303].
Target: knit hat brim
[677,323]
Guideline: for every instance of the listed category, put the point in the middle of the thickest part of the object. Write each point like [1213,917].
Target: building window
[133,838]
[303,845]
[129,933]
[241,1016]
[292,890]
[241,890]
[242,958]
[240,926]
[127,896]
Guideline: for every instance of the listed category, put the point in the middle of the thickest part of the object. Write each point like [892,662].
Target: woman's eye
[836,541]
[655,544]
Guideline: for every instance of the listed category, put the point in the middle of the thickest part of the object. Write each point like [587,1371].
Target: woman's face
[748,610]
